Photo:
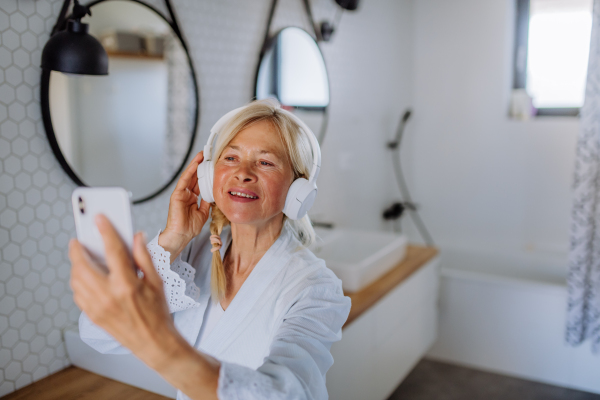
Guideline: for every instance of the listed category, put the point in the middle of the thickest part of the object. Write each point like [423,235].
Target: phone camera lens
[81,206]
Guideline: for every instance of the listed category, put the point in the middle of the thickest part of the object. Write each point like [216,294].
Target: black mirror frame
[266,45]
[47,119]
[269,43]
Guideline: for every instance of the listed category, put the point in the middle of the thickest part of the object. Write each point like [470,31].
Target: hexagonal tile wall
[35,219]
[35,304]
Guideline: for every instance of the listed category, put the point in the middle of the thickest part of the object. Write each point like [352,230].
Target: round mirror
[292,70]
[135,127]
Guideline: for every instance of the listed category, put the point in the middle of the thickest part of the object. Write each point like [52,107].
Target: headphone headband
[216,129]
[314,144]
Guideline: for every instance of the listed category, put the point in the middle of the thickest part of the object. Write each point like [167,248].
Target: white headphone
[302,192]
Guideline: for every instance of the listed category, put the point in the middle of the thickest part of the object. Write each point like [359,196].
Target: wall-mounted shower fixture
[396,210]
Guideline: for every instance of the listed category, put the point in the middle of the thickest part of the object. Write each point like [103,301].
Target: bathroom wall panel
[35,221]
[484,181]
[370,66]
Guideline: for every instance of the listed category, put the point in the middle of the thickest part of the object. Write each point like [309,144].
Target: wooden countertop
[74,383]
[416,257]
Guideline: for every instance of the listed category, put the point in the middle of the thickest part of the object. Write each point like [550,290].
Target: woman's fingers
[88,281]
[204,208]
[80,260]
[193,196]
[76,253]
[183,218]
[144,261]
[83,268]
[118,259]
[135,314]
[196,188]
[190,173]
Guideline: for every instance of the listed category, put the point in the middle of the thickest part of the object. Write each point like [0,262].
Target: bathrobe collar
[188,322]
[231,324]
[251,293]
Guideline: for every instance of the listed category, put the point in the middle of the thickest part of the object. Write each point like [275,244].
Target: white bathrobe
[274,339]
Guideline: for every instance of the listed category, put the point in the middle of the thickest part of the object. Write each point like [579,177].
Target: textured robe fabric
[583,315]
[274,339]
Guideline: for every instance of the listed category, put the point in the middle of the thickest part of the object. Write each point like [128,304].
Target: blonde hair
[298,149]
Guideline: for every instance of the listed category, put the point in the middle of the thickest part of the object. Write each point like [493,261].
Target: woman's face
[252,176]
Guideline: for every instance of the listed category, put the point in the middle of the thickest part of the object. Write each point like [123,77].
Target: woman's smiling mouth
[242,195]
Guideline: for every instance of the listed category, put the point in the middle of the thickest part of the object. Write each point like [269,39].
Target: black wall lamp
[71,49]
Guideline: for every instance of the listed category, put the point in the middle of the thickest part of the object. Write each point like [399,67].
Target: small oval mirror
[293,71]
[135,127]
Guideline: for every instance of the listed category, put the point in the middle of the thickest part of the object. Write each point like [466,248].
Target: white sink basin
[359,257]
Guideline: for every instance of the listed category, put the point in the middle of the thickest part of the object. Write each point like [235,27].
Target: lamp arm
[60,22]
[79,12]
[312,20]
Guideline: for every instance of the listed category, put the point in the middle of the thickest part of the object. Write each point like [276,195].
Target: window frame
[520,61]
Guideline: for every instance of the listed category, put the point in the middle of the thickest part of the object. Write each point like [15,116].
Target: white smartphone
[115,204]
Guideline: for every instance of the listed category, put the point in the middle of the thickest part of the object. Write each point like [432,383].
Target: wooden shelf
[416,257]
[75,383]
[139,56]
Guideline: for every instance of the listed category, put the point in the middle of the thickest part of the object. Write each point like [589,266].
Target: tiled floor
[432,380]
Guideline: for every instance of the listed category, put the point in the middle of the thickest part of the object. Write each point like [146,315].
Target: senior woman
[254,312]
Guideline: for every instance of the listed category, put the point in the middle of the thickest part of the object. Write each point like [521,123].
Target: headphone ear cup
[205,175]
[300,198]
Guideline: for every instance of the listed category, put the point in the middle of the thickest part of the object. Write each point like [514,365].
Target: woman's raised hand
[185,220]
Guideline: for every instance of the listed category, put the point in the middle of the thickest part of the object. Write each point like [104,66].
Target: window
[551,54]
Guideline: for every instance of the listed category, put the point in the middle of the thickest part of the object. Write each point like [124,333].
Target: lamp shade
[349,5]
[74,51]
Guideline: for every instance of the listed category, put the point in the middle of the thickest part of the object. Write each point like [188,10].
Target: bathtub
[506,314]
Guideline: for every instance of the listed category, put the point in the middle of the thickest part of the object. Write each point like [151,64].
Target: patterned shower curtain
[583,316]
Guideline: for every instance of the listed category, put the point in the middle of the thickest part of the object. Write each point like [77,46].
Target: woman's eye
[265,163]
[229,158]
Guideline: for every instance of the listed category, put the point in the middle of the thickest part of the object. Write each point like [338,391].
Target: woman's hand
[185,220]
[134,311]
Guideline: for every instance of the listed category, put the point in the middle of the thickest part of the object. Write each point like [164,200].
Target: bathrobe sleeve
[299,355]
[180,291]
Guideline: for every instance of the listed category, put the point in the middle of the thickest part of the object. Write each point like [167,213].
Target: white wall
[483,180]
[129,18]
[370,66]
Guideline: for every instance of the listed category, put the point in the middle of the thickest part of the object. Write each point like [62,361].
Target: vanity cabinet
[382,345]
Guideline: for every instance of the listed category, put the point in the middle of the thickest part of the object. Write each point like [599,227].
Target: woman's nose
[245,172]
